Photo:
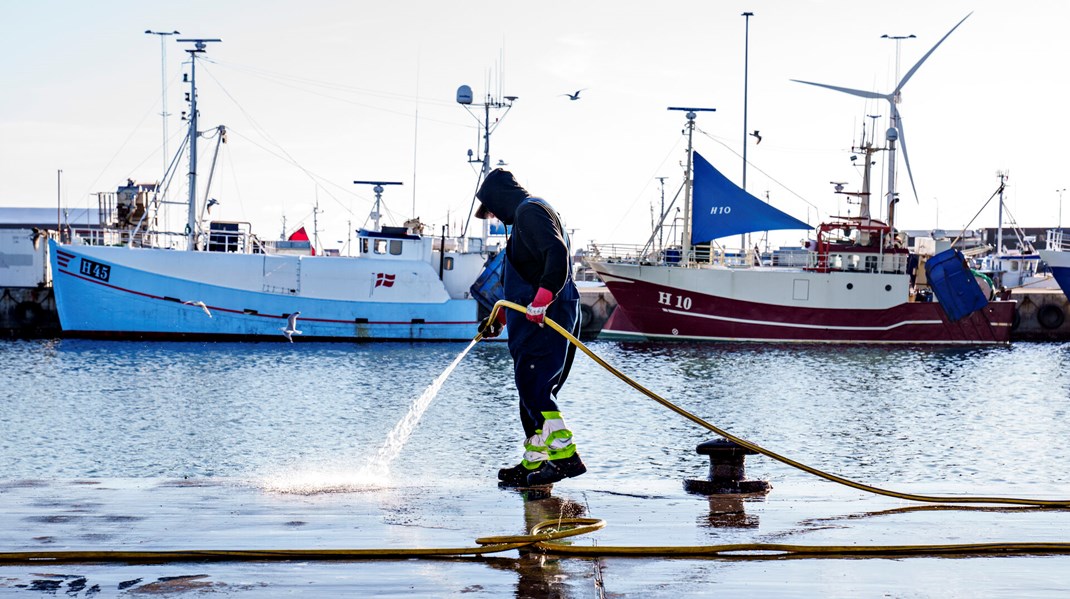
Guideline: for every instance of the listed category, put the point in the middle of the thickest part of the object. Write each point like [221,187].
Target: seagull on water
[575,96]
[291,327]
[201,304]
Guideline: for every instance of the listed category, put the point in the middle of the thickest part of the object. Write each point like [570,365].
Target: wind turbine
[895,131]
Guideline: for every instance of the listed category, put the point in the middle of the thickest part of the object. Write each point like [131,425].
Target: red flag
[384,280]
[301,235]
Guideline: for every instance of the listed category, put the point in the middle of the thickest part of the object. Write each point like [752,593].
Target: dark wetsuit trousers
[542,357]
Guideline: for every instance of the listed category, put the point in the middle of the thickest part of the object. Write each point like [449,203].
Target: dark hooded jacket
[537,247]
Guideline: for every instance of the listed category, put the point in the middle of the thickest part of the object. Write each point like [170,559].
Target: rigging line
[265,74]
[252,121]
[635,200]
[967,226]
[755,167]
[312,176]
[317,179]
[133,131]
[361,104]
[267,136]
[1018,232]
[229,159]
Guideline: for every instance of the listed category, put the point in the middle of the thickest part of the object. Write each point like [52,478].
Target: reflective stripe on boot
[535,451]
[555,437]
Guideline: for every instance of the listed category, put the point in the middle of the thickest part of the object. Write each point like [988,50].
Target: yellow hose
[544,534]
[753,447]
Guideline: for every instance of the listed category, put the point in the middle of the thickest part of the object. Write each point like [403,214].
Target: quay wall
[1042,314]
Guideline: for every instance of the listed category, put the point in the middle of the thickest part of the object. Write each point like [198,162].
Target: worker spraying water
[538,274]
[376,472]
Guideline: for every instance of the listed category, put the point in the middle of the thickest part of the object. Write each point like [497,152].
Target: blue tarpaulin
[954,285]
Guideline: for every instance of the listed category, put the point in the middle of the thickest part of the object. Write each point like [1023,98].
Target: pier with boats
[858,279]
[193,407]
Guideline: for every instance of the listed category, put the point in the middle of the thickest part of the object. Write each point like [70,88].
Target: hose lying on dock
[780,458]
[541,540]
[543,536]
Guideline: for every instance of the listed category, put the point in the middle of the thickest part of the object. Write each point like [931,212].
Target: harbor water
[280,421]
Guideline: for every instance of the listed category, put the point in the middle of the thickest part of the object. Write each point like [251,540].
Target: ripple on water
[311,418]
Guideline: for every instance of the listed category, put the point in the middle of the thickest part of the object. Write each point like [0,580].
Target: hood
[501,195]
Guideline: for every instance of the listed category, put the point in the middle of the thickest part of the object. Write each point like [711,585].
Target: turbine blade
[847,90]
[911,72]
[906,157]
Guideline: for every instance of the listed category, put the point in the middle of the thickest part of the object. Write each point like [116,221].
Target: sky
[316,94]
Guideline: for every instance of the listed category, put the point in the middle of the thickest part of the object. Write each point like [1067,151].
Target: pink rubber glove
[537,308]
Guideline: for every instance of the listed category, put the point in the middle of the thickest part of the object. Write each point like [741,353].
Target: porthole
[850,286]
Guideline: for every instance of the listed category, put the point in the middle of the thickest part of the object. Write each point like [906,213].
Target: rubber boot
[516,476]
[551,471]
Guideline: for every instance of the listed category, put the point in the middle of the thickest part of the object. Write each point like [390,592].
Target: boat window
[380,246]
[364,246]
[395,247]
[447,264]
[871,263]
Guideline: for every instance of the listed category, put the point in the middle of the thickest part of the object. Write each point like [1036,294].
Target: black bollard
[726,471]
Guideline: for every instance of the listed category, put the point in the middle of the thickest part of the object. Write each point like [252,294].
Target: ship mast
[690,128]
[377,187]
[199,45]
[499,102]
[999,223]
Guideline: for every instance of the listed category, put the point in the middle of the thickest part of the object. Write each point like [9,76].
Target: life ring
[1050,316]
[28,313]
[586,316]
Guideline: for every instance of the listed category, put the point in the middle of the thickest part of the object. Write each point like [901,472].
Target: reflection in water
[727,511]
[539,575]
[900,416]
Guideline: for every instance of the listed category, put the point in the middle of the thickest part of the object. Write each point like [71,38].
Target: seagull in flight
[202,306]
[756,136]
[291,327]
[575,96]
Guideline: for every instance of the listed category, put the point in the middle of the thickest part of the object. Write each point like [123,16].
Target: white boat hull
[151,293]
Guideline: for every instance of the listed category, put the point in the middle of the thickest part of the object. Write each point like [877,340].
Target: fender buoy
[586,316]
[1016,321]
[985,283]
[1050,316]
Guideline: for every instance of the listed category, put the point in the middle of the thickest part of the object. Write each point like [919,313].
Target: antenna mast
[464,98]
[199,45]
[378,189]
[661,215]
[690,128]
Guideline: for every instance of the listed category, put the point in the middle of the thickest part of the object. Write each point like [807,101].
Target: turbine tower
[895,130]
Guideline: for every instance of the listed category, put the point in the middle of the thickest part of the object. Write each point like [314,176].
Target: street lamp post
[1060,192]
[163,89]
[746,67]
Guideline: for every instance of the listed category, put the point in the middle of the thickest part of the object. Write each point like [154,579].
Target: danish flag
[384,280]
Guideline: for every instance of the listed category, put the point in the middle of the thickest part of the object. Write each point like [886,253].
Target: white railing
[1058,240]
[706,255]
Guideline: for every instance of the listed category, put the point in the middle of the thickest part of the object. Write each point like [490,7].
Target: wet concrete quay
[230,514]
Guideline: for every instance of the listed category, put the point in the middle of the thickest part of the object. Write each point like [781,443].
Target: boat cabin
[857,246]
[392,243]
